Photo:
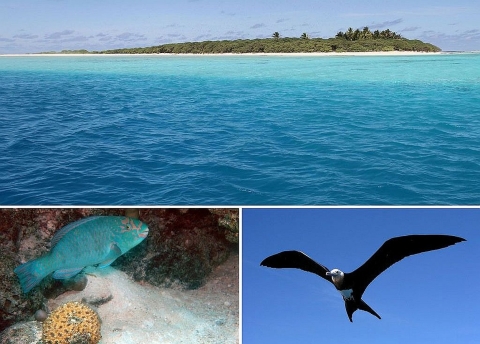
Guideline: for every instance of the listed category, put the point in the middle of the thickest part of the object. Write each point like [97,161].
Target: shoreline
[314,54]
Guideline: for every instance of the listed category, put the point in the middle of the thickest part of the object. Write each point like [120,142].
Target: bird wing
[394,250]
[296,260]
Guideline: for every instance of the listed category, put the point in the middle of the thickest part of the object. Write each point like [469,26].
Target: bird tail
[364,307]
[351,306]
[31,273]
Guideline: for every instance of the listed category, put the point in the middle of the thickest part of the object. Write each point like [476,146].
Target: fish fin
[64,230]
[114,253]
[66,273]
[30,274]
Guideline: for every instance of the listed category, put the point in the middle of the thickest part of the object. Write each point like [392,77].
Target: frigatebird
[352,285]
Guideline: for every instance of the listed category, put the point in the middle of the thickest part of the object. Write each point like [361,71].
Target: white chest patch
[347,293]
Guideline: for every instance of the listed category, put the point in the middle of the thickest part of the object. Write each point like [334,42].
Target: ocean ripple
[240,130]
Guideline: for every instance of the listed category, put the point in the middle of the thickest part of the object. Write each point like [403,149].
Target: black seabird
[352,285]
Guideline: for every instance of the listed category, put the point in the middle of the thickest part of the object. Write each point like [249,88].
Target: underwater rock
[183,247]
[98,299]
[14,306]
[41,315]
[132,212]
[54,288]
[228,218]
[23,332]
[78,283]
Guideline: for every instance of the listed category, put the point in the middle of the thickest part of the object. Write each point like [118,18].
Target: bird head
[337,275]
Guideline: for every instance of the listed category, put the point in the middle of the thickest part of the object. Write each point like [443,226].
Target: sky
[28,26]
[425,298]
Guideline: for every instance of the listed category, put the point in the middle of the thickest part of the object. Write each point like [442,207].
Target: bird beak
[328,273]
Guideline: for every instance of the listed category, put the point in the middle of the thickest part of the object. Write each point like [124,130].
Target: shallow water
[240,130]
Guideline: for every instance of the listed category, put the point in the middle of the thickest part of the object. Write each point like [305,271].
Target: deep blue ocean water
[240,130]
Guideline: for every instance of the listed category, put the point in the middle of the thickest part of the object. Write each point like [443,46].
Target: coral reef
[25,234]
[228,218]
[183,247]
[14,306]
[73,322]
[22,333]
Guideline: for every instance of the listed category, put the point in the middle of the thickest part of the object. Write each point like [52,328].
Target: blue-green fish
[92,241]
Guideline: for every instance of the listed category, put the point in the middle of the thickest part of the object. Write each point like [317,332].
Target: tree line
[282,45]
[348,41]
[355,35]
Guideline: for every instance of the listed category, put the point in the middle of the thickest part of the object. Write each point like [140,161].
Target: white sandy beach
[372,53]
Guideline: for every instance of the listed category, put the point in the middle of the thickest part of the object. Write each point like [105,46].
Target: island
[348,41]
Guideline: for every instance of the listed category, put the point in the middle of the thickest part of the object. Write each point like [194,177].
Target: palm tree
[304,36]
[386,33]
[356,35]
[366,33]
[349,34]
[276,35]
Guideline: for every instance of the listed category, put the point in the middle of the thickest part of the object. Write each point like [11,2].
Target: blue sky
[53,25]
[426,298]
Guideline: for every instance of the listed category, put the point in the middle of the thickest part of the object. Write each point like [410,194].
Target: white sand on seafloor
[144,314]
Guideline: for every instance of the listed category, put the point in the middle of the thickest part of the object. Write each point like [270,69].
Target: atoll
[72,322]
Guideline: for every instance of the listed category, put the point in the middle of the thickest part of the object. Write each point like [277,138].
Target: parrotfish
[92,241]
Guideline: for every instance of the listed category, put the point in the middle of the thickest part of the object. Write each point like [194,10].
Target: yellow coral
[72,322]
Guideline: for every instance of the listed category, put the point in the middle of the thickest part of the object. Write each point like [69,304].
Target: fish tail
[31,274]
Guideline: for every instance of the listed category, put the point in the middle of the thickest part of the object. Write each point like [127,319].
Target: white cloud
[130,37]
[257,26]
[468,39]
[60,34]
[26,36]
[385,24]
[231,14]
[411,28]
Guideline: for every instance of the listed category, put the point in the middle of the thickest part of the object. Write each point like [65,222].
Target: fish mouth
[143,234]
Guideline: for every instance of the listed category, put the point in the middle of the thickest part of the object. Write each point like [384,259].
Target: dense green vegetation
[366,34]
[349,41]
[283,45]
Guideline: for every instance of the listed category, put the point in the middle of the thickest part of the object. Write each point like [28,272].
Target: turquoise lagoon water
[241,130]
